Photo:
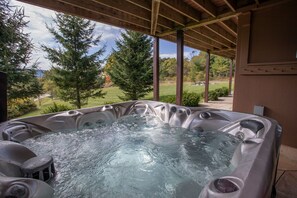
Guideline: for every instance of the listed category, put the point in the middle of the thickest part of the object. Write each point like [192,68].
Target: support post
[207,65]
[3,97]
[180,65]
[156,68]
[230,76]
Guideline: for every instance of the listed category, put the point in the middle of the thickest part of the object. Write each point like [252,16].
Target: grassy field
[112,94]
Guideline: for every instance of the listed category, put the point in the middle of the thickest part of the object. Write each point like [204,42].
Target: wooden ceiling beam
[182,8]
[72,10]
[203,22]
[194,40]
[207,6]
[231,4]
[211,35]
[165,12]
[125,7]
[171,15]
[154,16]
[222,33]
[224,54]
[229,26]
[210,45]
[203,39]
[99,9]
[131,8]
[147,6]
[165,23]
[225,50]
[143,4]
[172,38]
[195,46]
[192,44]
[224,16]
[212,52]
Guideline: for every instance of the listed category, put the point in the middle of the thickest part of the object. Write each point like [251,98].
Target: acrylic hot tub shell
[255,158]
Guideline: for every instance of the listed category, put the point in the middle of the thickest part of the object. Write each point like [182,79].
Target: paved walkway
[286,179]
[223,103]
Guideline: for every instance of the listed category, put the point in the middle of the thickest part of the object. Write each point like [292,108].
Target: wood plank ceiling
[208,24]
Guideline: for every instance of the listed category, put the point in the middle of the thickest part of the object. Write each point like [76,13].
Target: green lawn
[112,94]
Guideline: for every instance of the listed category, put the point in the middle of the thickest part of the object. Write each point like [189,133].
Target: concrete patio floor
[286,178]
[224,103]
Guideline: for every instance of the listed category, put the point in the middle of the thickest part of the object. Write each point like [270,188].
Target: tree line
[194,67]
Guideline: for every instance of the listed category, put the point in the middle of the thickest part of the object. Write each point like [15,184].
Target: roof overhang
[209,25]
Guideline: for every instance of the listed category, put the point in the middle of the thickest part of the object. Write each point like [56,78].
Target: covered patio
[258,35]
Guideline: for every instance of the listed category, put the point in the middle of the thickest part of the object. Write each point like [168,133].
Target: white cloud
[173,55]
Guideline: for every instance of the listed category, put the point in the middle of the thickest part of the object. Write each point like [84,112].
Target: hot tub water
[136,156]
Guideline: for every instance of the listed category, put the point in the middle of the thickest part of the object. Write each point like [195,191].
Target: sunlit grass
[112,94]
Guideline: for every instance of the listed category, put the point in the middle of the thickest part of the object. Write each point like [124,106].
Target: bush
[168,99]
[222,92]
[213,95]
[19,107]
[189,99]
[56,108]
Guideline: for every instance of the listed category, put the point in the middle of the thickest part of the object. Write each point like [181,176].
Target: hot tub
[254,161]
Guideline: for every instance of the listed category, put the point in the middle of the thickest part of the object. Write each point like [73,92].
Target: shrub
[213,95]
[222,92]
[19,107]
[56,108]
[191,99]
[168,99]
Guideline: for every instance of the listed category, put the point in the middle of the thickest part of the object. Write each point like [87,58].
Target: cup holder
[226,185]
[173,109]
[73,112]
[107,107]
[205,115]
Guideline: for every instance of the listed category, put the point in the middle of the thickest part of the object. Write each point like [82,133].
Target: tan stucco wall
[267,38]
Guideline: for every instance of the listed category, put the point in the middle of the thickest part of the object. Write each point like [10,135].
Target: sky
[38,17]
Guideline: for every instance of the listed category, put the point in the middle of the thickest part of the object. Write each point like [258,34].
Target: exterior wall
[266,65]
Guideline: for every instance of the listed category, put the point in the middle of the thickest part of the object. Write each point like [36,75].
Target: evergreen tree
[15,54]
[132,67]
[76,70]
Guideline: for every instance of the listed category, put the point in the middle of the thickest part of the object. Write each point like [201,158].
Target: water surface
[136,156]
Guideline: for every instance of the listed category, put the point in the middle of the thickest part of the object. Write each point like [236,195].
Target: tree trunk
[78,104]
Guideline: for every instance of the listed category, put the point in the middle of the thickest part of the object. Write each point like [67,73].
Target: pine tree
[15,54]
[132,67]
[77,71]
